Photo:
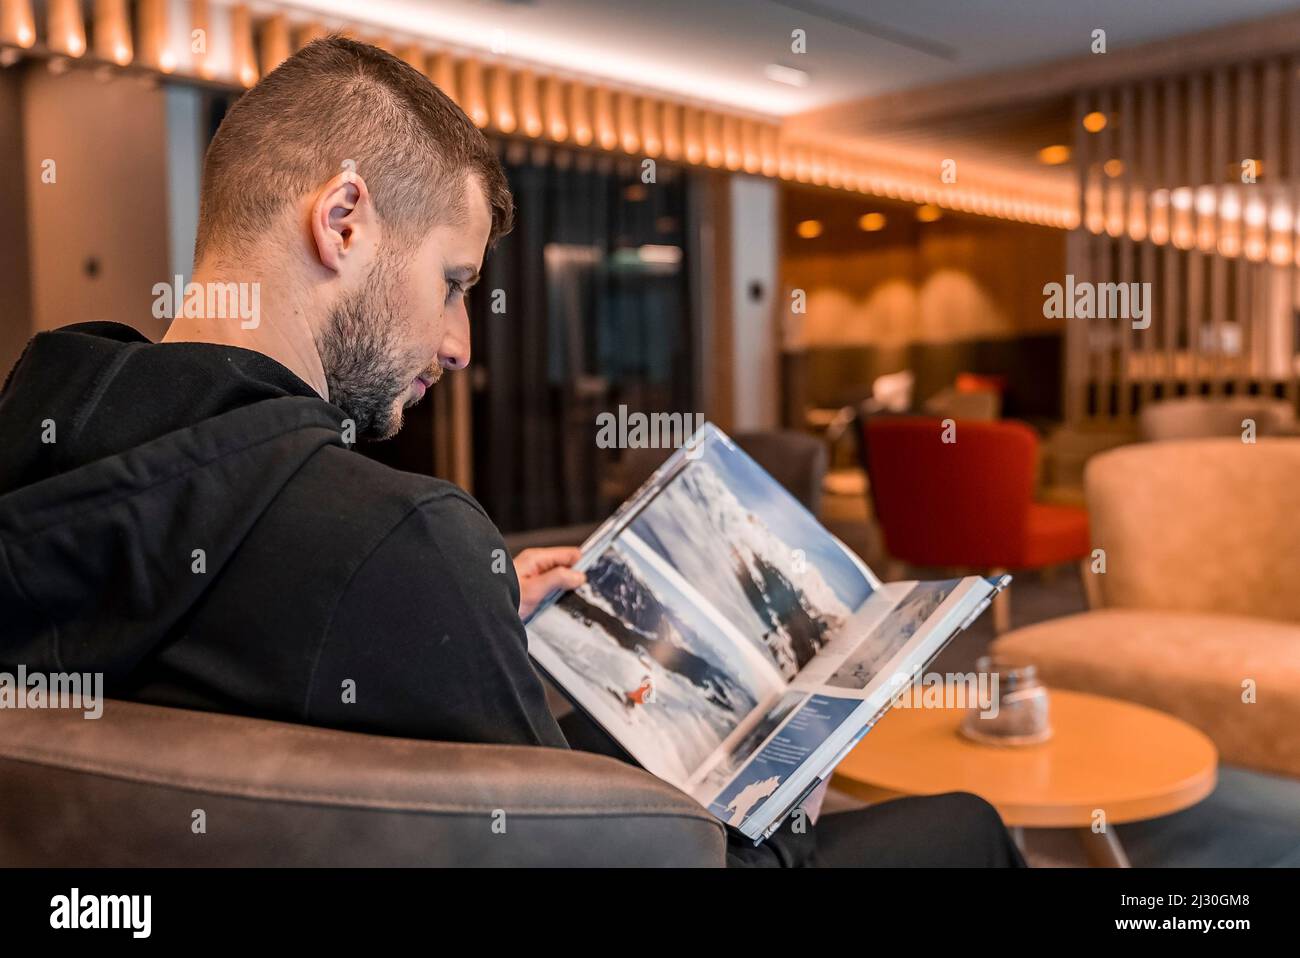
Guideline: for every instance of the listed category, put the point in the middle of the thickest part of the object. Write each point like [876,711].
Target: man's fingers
[536,561]
[560,577]
[534,588]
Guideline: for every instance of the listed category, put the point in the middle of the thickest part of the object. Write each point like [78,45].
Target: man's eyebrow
[467,276]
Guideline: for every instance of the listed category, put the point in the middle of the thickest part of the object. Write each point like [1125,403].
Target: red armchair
[968,502]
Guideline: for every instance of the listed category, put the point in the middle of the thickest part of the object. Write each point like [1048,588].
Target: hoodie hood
[131,473]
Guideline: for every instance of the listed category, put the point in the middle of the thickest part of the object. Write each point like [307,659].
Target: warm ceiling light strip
[151,29]
[550,107]
[242,58]
[274,37]
[629,126]
[17,23]
[785,162]
[670,115]
[305,33]
[473,95]
[651,130]
[501,106]
[555,122]
[802,164]
[769,153]
[732,156]
[714,153]
[751,159]
[817,166]
[112,32]
[529,104]
[580,123]
[626,121]
[413,56]
[602,111]
[693,135]
[442,71]
[67,30]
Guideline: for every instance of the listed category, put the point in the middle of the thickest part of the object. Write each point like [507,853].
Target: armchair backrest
[150,786]
[952,503]
[1198,417]
[1204,525]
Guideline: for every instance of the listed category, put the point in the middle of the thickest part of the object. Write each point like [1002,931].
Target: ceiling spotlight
[871,222]
[1094,122]
[1054,155]
[809,229]
[1113,168]
[787,75]
[928,213]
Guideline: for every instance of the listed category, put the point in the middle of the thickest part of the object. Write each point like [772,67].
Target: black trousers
[955,830]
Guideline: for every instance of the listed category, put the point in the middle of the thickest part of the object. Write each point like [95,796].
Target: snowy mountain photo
[753,551]
[656,670]
[884,641]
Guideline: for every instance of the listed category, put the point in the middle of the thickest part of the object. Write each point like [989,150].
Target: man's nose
[454,351]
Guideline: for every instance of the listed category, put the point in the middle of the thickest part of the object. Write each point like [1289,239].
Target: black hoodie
[186,519]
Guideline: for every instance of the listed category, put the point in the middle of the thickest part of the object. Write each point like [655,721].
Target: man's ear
[344,228]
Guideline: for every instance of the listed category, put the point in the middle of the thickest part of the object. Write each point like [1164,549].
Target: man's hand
[541,571]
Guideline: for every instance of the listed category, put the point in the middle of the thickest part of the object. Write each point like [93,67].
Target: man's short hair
[335,101]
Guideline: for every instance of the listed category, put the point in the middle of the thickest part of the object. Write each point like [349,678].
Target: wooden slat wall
[1128,157]
[1292,193]
[1243,151]
[1174,209]
[1218,264]
[1147,337]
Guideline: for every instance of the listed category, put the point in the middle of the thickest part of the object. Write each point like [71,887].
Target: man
[188,518]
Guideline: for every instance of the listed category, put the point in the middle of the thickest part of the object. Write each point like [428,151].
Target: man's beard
[361,352]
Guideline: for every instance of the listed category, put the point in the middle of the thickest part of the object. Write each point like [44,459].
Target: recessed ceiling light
[1054,155]
[787,75]
[1094,122]
[928,213]
[871,222]
[809,229]
[1113,168]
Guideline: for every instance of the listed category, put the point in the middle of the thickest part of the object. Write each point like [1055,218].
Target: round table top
[1130,761]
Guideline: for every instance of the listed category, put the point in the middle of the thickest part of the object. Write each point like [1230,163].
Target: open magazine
[729,643]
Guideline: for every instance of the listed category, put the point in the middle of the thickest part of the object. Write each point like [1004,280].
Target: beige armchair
[148,786]
[1197,417]
[1198,611]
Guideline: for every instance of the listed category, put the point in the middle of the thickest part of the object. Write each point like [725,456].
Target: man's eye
[455,288]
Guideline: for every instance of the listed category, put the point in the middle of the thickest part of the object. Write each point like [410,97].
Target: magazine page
[731,644]
[645,656]
[706,594]
[836,700]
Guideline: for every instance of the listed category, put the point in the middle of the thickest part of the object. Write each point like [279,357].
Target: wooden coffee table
[1128,761]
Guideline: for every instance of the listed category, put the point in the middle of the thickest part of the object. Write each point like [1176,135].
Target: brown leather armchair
[126,789]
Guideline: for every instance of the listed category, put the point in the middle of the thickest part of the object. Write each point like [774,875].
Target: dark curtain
[596,315]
